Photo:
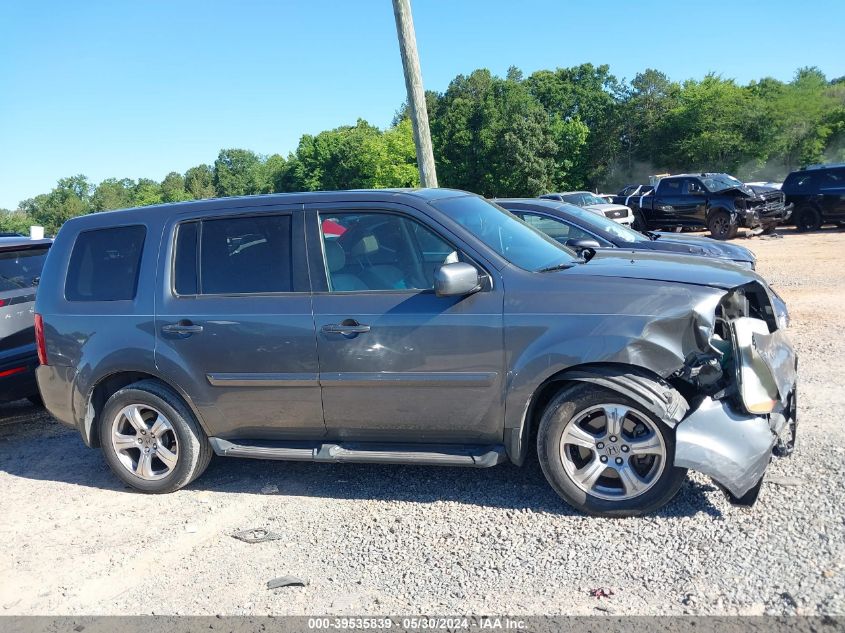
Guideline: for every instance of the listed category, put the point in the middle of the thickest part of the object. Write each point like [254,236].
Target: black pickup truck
[718,202]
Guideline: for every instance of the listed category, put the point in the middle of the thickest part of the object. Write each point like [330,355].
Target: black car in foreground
[578,228]
[818,193]
[21,261]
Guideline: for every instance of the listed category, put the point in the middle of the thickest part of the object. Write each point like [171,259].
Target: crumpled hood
[695,245]
[601,208]
[666,267]
[743,190]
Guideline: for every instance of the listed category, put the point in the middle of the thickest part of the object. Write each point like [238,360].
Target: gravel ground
[391,539]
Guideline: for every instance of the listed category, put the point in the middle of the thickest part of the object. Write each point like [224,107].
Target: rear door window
[234,255]
[104,264]
[21,268]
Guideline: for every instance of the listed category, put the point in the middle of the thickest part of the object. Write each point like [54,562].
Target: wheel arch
[107,385]
[713,210]
[635,382]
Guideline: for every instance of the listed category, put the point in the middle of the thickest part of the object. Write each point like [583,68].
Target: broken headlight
[780,309]
[756,385]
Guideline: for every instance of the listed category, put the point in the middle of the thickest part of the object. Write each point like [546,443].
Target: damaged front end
[741,391]
[761,208]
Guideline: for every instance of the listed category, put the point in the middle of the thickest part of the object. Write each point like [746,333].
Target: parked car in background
[21,262]
[590,201]
[408,326]
[818,193]
[578,228]
[718,202]
[624,195]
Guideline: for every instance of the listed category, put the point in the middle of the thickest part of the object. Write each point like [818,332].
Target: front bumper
[734,448]
[765,219]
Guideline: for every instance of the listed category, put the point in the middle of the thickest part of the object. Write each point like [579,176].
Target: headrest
[335,257]
[368,244]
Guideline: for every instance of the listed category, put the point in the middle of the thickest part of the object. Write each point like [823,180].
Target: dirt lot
[381,539]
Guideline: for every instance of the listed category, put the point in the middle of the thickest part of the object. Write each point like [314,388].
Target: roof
[265,200]
[22,242]
[546,203]
[821,166]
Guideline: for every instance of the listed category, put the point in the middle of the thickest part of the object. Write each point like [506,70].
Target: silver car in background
[21,261]
[595,203]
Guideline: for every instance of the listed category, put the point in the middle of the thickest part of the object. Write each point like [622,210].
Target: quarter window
[104,264]
[237,255]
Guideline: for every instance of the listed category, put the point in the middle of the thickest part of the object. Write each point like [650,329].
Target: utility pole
[416,93]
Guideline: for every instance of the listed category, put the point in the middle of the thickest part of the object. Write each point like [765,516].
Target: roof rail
[824,165]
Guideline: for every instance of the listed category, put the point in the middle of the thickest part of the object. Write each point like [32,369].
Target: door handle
[183,327]
[348,326]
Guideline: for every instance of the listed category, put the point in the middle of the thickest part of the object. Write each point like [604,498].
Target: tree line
[569,128]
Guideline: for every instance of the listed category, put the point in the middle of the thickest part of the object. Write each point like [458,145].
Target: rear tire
[624,469]
[808,218]
[151,439]
[720,226]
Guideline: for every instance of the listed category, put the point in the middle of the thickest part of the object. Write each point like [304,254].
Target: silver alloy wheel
[145,442]
[612,451]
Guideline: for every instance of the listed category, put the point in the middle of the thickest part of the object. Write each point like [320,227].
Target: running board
[361,452]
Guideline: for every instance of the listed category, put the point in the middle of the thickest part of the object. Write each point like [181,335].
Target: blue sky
[137,89]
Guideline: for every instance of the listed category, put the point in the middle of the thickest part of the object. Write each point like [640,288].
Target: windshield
[21,268]
[719,182]
[583,199]
[506,234]
[594,220]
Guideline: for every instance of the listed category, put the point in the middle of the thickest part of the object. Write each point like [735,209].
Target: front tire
[720,226]
[639,223]
[605,455]
[151,439]
[808,219]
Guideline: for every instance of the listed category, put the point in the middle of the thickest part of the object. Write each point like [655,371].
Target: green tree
[15,221]
[399,169]
[275,174]
[113,194]
[173,188]
[714,127]
[147,192]
[199,182]
[355,157]
[651,96]
[491,136]
[801,117]
[238,172]
[589,94]
[69,198]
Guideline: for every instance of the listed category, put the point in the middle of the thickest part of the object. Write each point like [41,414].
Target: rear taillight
[39,340]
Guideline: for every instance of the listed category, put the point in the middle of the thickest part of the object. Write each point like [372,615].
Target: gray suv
[403,326]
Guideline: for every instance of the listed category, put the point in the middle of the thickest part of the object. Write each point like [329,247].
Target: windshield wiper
[561,266]
[652,235]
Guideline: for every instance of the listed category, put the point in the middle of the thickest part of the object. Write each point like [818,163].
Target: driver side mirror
[456,279]
[582,244]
